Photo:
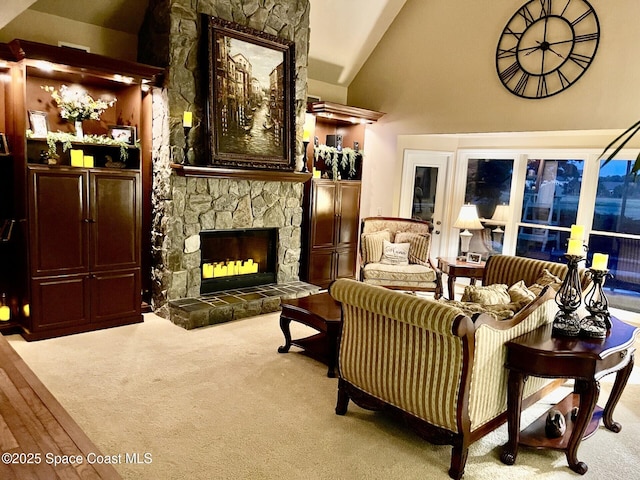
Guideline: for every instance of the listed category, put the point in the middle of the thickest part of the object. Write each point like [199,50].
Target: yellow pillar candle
[88,161]
[577,232]
[575,247]
[26,310]
[600,261]
[187,119]
[77,158]
[207,270]
[5,311]
[220,270]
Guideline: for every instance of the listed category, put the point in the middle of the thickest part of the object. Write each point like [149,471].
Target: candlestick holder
[568,299]
[305,144]
[185,160]
[598,322]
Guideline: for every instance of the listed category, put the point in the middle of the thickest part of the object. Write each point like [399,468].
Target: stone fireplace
[185,205]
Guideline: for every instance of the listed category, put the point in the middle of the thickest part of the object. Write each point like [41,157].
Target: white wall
[49,29]
[434,72]
[327,91]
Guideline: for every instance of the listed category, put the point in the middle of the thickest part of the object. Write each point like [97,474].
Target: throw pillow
[520,293]
[419,249]
[489,295]
[547,278]
[372,244]
[472,310]
[395,253]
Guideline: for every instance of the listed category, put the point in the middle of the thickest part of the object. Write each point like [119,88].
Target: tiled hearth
[223,306]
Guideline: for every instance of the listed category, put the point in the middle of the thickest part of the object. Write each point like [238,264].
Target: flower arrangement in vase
[77,105]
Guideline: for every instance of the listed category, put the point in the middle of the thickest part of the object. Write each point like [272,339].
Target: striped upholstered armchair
[426,359]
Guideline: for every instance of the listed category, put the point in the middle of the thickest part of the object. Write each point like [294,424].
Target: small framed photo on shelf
[474,258]
[39,123]
[123,133]
[4,146]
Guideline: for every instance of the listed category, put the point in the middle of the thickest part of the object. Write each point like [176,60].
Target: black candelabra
[598,322]
[305,144]
[568,299]
[185,160]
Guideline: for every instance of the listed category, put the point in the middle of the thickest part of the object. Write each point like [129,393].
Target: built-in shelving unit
[331,219]
[79,203]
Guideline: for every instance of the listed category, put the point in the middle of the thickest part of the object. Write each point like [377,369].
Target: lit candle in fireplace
[219,270]
[207,270]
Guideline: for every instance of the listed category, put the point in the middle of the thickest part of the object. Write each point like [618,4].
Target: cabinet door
[323,216]
[58,221]
[345,260]
[349,213]
[59,302]
[115,295]
[321,267]
[115,220]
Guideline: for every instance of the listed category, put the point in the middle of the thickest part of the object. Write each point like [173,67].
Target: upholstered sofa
[429,361]
[383,263]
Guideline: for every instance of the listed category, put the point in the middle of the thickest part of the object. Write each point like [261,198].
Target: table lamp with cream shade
[500,216]
[467,220]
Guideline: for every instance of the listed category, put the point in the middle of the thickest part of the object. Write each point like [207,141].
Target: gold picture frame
[251,122]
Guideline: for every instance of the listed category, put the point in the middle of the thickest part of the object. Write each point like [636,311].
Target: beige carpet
[221,403]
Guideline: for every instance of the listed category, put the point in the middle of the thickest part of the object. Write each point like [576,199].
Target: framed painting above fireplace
[251,118]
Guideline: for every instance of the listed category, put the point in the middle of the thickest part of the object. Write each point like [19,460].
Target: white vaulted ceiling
[343,32]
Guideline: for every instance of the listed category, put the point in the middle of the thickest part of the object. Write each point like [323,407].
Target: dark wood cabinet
[332,232]
[78,204]
[85,249]
[331,219]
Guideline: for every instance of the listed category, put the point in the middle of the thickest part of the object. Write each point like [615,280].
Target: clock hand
[531,49]
[547,46]
[553,51]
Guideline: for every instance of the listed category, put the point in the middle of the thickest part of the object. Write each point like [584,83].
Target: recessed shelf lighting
[122,78]
[44,66]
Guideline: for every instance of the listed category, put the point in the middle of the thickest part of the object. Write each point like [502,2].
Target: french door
[424,180]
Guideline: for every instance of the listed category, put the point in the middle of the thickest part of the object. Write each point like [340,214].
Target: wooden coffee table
[321,312]
[540,354]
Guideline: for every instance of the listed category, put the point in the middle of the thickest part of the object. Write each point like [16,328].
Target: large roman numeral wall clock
[547,46]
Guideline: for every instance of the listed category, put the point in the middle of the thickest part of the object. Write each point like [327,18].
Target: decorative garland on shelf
[333,157]
[67,139]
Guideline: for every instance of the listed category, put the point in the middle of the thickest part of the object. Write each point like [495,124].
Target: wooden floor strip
[34,427]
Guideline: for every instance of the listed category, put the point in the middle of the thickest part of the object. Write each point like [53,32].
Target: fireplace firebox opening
[237,258]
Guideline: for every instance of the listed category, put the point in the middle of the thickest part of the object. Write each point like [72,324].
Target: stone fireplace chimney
[185,205]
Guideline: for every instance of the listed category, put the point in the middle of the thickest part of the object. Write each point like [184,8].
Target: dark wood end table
[455,268]
[585,360]
[321,312]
